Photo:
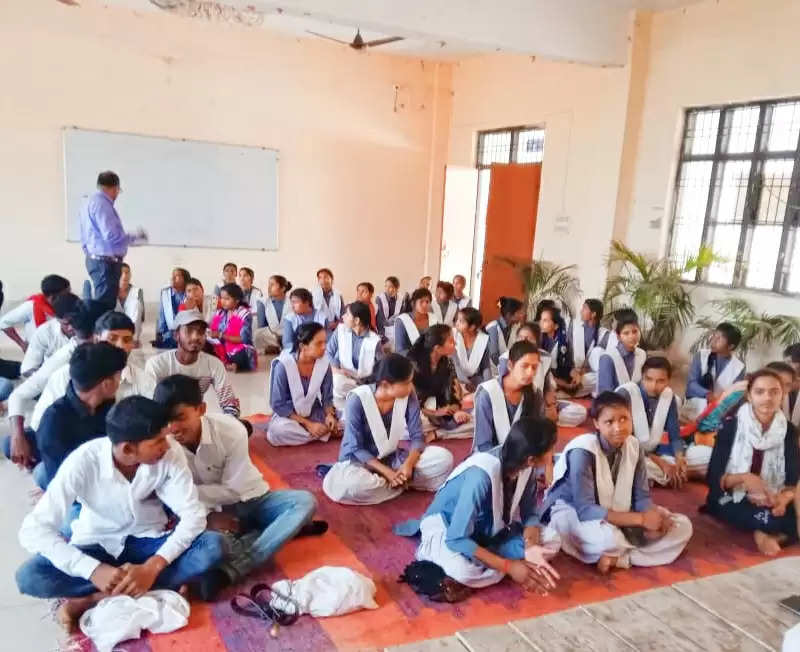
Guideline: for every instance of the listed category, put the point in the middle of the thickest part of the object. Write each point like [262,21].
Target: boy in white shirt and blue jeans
[120,543]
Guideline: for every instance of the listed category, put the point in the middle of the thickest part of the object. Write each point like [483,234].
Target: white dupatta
[331,310]
[411,328]
[304,401]
[470,363]
[166,307]
[273,321]
[729,374]
[502,344]
[366,355]
[491,465]
[616,497]
[385,442]
[649,435]
[449,317]
[622,371]
[502,425]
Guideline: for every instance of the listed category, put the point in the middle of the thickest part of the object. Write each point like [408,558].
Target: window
[738,192]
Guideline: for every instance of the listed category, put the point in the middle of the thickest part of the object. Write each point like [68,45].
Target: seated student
[196,299]
[600,503]
[425,283]
[555,343]
[365,293]
[501,402]
[354,351]
[301,392]
[409,325]
[713,370]
[52,335]
[788,378]
[229,275]
[327,300]
[372,468]
[390,304]
[503,331]
[80,415]
[303,312]
[231,330]
[461,299]
[791,356]
[120,543]
[35,311]
[9,369]
[130,300]
[444,307]
[471,358]
[437,385]
[230,487]
[190,360]
[754,467]
[252,295]
[622,364]
[655,411]
[271,314]
[483,523]
[171,298]
[584,336]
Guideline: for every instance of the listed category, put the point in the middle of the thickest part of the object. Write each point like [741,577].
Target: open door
[510,227]
[458,222]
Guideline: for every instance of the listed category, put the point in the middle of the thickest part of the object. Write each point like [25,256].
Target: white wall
[360,185]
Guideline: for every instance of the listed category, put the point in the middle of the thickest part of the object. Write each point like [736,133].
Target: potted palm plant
[542,279]
[655,288]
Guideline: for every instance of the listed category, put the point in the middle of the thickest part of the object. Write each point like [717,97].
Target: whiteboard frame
[67,128]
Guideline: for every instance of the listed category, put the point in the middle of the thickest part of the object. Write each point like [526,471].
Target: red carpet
[361,538]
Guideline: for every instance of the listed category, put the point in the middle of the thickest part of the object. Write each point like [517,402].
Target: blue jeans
[39,578]
[278,516]
[39,472]
[105,279]
[6,387]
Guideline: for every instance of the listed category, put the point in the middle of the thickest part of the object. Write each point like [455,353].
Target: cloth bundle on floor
[571,415]
[326,591]
[122,617]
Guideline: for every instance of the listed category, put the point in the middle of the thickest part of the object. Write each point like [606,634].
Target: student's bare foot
[70,611]
[605,564]
[767,544]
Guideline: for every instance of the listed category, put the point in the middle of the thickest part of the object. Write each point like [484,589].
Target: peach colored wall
[583,111]
[360,185]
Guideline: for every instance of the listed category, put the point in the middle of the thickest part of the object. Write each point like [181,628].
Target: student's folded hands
[534,578]
[106,577]
[138,579]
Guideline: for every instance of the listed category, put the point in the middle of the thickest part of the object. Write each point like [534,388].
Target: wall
[583,111]
[360,185]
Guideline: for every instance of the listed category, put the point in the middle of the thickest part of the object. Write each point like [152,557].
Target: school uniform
[406,331]
[252,297]
[31,313]
[463,302]
[289,393]
[133,306]
[120,522]
[589,479]
[330,304]
[445,312]
[293,321]
[584,337]
[501,337]
[271,315]
[228,481]
[370,435]
[169,304]
[619,366]
[477,506]
[47,339]
[725,371]
[473,365]
[495,414]
[239,323]
[544,373]
[742,446]
[438,388]
[358,354]
[388,310]
[207,369]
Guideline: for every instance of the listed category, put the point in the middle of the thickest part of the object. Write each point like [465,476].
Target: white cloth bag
[326,591]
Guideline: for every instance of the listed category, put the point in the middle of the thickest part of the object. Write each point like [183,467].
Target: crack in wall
[212,11]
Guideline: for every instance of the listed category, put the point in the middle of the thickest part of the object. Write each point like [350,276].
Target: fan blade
[330,38]
[383,41]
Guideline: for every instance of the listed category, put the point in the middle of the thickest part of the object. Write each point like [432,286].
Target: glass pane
[783,127]
[484,178]
[494,147]
[724,240]
[775,179]
[739,133]
[701,132]
[530,146]
[793,259]
[690,210]
[731,192]
[765,241]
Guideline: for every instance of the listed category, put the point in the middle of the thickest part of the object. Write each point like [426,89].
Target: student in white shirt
[34,311]
[120,543]
[461,299]
[230,487]
[252,295]
[52,335]
[444,308]
[130,300]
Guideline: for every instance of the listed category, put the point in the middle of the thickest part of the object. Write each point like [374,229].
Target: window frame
[757,158]
[513,145]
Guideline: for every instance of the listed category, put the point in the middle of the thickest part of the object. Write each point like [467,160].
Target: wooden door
[510,226]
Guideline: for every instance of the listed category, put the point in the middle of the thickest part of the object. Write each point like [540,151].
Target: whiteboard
[184,193]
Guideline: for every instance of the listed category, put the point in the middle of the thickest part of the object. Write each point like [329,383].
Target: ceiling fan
[358,43]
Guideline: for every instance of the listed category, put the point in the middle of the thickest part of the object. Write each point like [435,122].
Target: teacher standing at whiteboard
[104,241]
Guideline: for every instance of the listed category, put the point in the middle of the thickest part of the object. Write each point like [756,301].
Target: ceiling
[589,31]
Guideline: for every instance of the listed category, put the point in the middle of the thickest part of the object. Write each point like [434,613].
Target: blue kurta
[358,444]
[484,371]
[293,321]
[402,342]
[280,396]
[494,342]
[607,380]
[671,425]
[693,387]
[485,437]
[176,298]
[358,340]
[261,314]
